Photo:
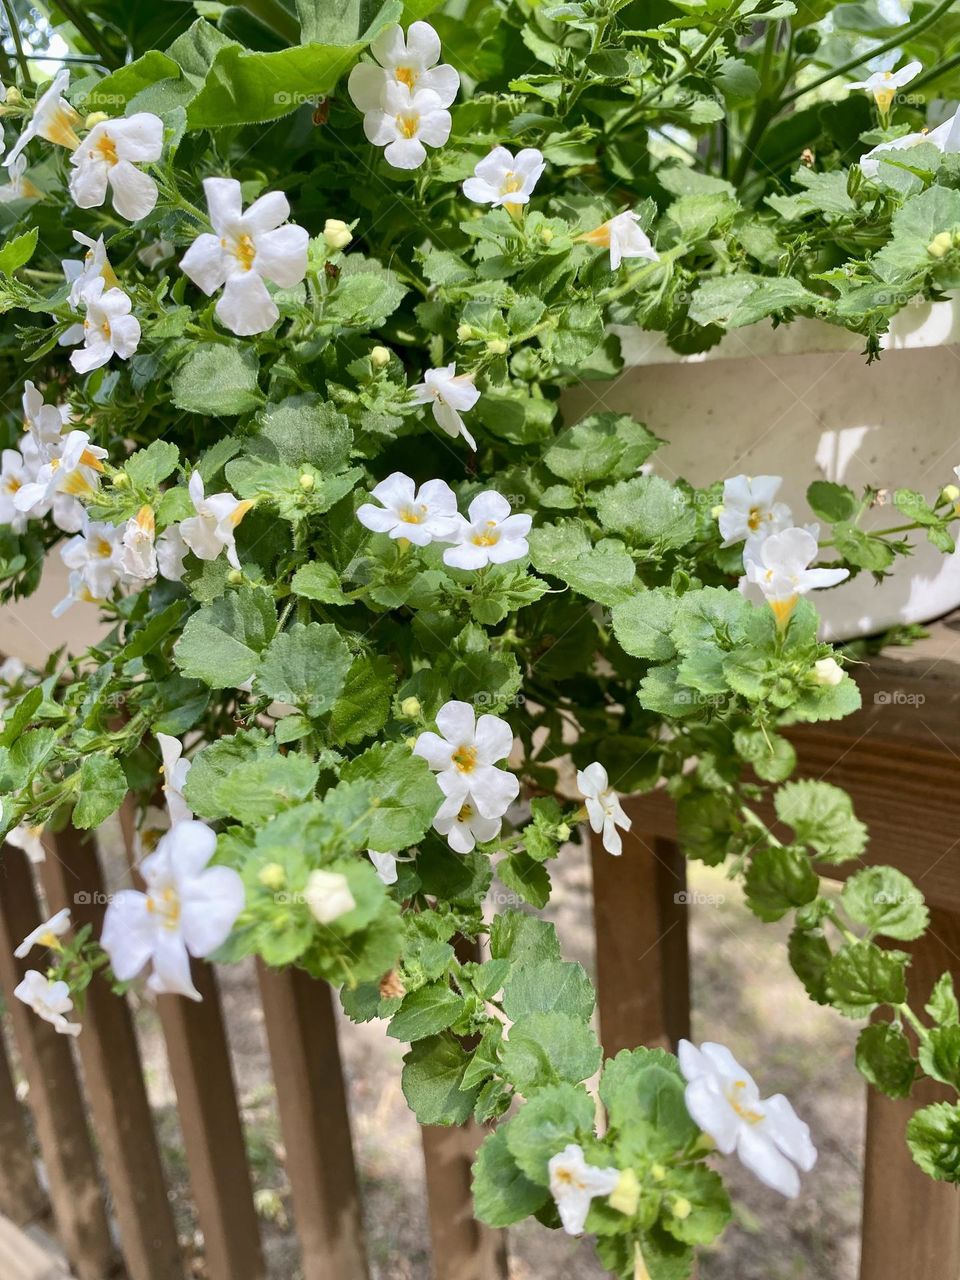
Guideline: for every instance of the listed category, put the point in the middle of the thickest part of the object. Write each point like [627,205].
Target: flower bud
[93,119]
[657,1172]
[563,831]
[336,234]
[626,1194]
[410,707]
[827,672]
[464,331]
[272,876]
[717,511]
[411,742]
[682,1208]
[380,356]
[941,244]
[235,577]
[546,234]
[14,96]
[950,493]
[497,347]
[307,481]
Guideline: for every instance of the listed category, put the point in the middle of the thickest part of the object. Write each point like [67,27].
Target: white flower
[884,84]
[95,555]
[424,516]
[450,394]
[19,187]
[109,155]
[171,550]
[827,671]
[53,119]
[465,758]
[464,826]
[246,250]
[603,807]
[47,934]
[29,839]
[45,422]
[138,557]
[410,62]
[767,1134]
[624,237]
[74,469]
[574,1183]
[108,328]
[491,535]
[214,527]
[779,567]
[49,1000]
[157,251]
[385,865]
[403,121]
[175,770]
[12,670]
[945,137]
[749,510]
[499,178]
[188,909]
[153,826]
[15,473]
[80,273]
[328,895]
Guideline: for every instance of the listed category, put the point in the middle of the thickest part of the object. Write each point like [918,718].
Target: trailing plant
[316,259]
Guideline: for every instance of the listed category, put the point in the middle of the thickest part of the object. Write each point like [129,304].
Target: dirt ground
[743,994]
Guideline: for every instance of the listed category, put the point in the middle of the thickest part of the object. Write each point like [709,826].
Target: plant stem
[90,32]
[17,40]
[691,63]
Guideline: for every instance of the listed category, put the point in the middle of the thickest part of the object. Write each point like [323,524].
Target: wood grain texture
[462,1247]
[113,1075]
[54,1097]
[302,1033]
[21,1199]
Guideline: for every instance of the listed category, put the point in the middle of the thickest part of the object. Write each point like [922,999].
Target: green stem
[273,15]
[90,32]
[906,1012]
[692,62]
[17,40]
[903,35]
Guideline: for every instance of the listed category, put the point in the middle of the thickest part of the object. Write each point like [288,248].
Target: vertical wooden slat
[911,1224]
[213,1136]
[114,1079]
[21,1199]
[463,1248]
[640,919]
[54,1096]
[312,1100]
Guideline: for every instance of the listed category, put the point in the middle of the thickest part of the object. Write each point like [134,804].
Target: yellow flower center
[58,127]
[105,149]
[243,249]
[489,538]
[599,237]
[50,939]
[414,515]
[745,1113]
[102,548]
[466,813]
[167,906]
[465,758]
[407,75]
[511,183]
[409,123]
[239,511]
[754,518]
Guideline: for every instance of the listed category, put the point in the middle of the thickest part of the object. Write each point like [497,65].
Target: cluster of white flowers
[488,534]
[777,555]
[405,94]
[464,756]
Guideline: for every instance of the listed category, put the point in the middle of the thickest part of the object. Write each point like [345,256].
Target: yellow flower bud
[950,493]
[464,331]
[497,347]
[380,356]
[121,480]
[93,119]
[410,707]
[682,1208]
[546,234]
[940,245]
[563,831]
[14,96]
[626,1194]
[717,511]
[307,481]
[336,234]
[272,876]
[235,577]
[657,1172]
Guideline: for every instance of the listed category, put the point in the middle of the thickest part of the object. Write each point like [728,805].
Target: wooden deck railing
[899,757]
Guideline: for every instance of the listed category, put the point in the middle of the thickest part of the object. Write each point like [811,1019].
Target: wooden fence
[95,1131]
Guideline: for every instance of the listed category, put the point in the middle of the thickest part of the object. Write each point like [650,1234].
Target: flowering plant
[310,245]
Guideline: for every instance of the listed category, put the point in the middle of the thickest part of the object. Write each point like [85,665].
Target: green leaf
[102,789]
[432,1079]
[363,707]
[860,976]
[116,90]
[217,380]
[544,1048]
[810,957]
[601,447]
[555,1116]
[860,549]
[933,1136]
[649,510]
[942,1005]
[644,1087]
[885,1060]
[16,253]
[526,877]
[832,502]
[319,581]
[215,764]
[604,573]
[516,936]
[704,826]
[643,624]
[306,666]
[147,467]
[345,21]
[552,984]
[426,1012]
[221,643]
[779,879]
[738,300]
[303,430]
[940,1055]
[254,790]
[407,795]
[502,1194]
[887,902]
[822,816]
[709,1205]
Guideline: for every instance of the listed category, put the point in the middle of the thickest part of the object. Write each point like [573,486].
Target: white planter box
[801,402]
